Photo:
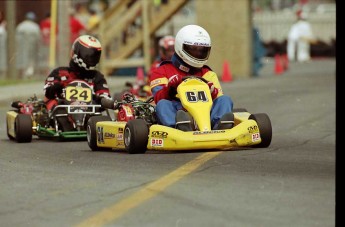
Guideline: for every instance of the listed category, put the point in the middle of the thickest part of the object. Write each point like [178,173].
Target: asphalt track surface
[290,183]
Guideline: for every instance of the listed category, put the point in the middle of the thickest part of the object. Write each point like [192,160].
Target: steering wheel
[197,77]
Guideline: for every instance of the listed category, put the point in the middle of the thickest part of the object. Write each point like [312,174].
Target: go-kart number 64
[78,93]
[196,96]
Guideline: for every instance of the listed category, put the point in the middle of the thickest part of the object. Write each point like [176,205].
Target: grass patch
[5,82]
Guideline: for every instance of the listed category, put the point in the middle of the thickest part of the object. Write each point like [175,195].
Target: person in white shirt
[300,38]
[28,37]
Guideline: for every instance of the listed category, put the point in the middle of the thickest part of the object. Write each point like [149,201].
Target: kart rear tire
[265,128]
[91,132]
[136,136]
[23,128]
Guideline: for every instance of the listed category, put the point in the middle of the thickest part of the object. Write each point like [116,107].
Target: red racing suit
[164,96]
[61,76]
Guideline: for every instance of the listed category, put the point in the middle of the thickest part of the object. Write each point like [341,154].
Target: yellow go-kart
[137,135]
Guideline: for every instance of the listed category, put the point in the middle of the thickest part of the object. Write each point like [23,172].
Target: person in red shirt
[165,50]
[192,49]
[77,28]
[45,29]
[45,25]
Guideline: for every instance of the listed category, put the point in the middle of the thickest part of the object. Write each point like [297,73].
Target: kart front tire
[91,132]
[136,136]
[23,128]
[265,128]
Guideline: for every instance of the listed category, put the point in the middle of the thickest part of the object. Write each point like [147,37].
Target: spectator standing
[259,51]
[299,39]
[93,19]
[77,27]
[45,25]
[3,45]
[28,36]
[82,13]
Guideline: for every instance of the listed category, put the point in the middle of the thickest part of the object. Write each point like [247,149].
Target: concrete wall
[229,24]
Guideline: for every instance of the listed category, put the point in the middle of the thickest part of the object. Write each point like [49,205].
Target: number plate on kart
[78,94]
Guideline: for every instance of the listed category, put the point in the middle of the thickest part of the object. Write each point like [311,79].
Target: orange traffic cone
[278,68]
[140,74]
[226,77]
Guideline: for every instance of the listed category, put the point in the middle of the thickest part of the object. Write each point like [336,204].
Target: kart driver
[192,49]
[85,55]
[165,49]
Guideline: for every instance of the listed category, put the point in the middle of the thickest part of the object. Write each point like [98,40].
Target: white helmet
[193,45]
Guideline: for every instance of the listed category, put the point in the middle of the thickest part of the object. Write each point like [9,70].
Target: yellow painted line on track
[117,210]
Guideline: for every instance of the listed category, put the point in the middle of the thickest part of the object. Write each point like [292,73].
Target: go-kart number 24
[78,93]
[196,96]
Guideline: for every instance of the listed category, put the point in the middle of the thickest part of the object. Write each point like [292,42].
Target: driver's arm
[212,76]
[101,88]
[53,85]
[159,83]
[159,89]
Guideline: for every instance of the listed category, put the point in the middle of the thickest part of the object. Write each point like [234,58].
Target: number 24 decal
[196,96]
[78,94]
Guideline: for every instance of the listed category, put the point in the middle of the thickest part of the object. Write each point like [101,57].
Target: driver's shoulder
[207,68]
[167,62]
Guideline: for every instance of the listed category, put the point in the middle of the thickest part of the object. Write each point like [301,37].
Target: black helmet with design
[86,52]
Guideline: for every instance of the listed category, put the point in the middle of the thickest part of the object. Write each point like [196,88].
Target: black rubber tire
[64,124]
[136,136]
[265,128]
[23,128]
[91,132]
[8,134]
[239,110]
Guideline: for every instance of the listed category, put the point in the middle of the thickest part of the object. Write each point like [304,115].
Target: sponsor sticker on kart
[157,142]
[208,132]
[255,137]
[119,136]
[109,135]
[159,134]
[128,111]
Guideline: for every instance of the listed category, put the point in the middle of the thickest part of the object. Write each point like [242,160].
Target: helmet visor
[197,52]
[91,56]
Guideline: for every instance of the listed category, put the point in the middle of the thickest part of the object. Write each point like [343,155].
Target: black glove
[55,89]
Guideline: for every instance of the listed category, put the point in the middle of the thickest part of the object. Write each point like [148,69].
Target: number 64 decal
[197,96]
